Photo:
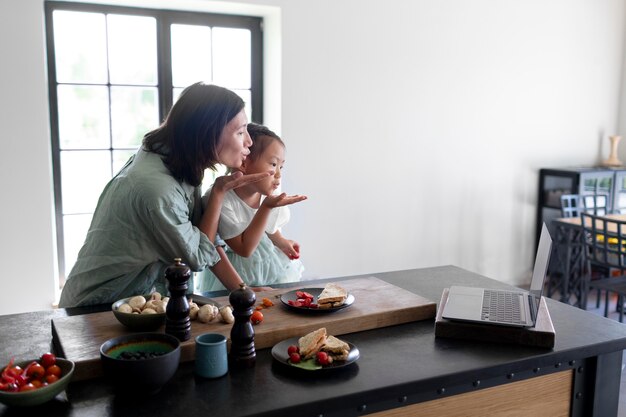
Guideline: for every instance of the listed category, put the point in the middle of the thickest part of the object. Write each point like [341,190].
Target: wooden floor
[614,315]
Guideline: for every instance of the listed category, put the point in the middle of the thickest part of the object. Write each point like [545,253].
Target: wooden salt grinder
[177,321]
[242,352]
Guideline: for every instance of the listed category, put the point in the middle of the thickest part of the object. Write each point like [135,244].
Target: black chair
[604,243]
[597,204]
[571,205]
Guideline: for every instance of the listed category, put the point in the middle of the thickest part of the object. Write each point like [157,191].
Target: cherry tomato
[27,387]
[14,371]
[51,378]
[48,359]
[323,358]
[35,371]
[53,370]
[293,349]
[295,357]
[21,380]
[37,383]
[267,302]
[257,317]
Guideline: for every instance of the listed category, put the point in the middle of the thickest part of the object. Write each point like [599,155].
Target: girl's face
[234,142]
[272,159]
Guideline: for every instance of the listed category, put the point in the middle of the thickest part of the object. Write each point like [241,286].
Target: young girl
[251,218]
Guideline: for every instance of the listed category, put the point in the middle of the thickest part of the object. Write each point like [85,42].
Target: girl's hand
[237,179]
[273,201]
[291,248]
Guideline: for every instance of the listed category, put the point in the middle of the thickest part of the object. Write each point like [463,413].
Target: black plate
[279,352]
[315,292]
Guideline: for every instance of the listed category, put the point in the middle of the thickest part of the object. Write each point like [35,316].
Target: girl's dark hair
[189,136]
[261,138]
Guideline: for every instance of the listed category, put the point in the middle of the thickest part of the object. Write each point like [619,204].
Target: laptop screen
[541,266]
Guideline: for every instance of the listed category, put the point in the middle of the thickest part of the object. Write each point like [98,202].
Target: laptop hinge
[533,307]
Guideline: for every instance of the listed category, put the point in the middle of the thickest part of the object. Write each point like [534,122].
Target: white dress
[268,264]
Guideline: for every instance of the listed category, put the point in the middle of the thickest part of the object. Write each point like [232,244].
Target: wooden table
[403,370]
[568,253]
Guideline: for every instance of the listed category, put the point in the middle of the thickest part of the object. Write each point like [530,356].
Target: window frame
[164,19]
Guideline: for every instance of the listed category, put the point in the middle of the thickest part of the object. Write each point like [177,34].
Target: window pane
[80,47]
[75,229]
[191,54]
[246,96]
[132,49]
[134,111]
[231,57]
[83,117]
[120,158]
[83,174]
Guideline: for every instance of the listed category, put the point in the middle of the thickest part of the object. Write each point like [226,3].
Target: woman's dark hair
[261,138]
[189,136]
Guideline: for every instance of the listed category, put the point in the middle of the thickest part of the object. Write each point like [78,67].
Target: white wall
[417,129]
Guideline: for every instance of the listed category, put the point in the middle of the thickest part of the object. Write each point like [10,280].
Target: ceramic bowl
[138,322]
[43,394]
[140,363]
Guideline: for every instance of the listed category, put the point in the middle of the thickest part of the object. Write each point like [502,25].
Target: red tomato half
[257,317]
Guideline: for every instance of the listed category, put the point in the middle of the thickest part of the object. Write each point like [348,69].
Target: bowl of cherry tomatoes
[35,381]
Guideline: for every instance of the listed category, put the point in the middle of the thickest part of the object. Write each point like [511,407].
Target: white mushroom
[161,307]
[156,296]
[148,311]
[125,308]
[137,301]
[226,314]
[193,311]
[207,313]
[153,304]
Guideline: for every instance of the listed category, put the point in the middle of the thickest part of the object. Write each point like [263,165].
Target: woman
[151,211]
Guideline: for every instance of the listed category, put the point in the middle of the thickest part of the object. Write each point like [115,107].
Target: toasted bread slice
[336,348]
[332,293]
[311,343]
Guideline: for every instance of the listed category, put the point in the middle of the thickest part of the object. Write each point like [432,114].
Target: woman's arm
[225,271]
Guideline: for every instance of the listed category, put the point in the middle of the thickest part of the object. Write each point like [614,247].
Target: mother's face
[234,142]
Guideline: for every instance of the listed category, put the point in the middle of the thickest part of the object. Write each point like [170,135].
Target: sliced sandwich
[332,295]
[336,349]
[311,343]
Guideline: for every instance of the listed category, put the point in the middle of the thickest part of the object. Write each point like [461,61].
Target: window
[113,73]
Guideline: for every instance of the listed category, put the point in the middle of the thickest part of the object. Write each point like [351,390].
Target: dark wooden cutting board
[377,304]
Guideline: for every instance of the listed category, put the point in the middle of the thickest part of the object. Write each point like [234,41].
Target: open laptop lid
[542,260]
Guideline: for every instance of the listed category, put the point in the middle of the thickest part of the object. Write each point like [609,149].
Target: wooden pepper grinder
[177,321]
[242,352]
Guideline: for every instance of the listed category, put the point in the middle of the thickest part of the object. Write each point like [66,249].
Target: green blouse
[143,221]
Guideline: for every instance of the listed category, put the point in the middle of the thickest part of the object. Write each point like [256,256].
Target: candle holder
[613,160]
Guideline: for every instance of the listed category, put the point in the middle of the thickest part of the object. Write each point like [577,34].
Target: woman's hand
[273,201]
[237,179]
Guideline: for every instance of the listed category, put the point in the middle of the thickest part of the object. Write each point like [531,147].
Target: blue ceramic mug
[211,355]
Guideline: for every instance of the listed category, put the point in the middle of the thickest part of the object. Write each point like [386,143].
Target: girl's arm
[211,215]
[246,243]
[291,248]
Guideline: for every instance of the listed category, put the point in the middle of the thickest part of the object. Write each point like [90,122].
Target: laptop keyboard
[501,306]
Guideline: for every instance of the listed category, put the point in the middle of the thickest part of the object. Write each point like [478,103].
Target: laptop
[515,308]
